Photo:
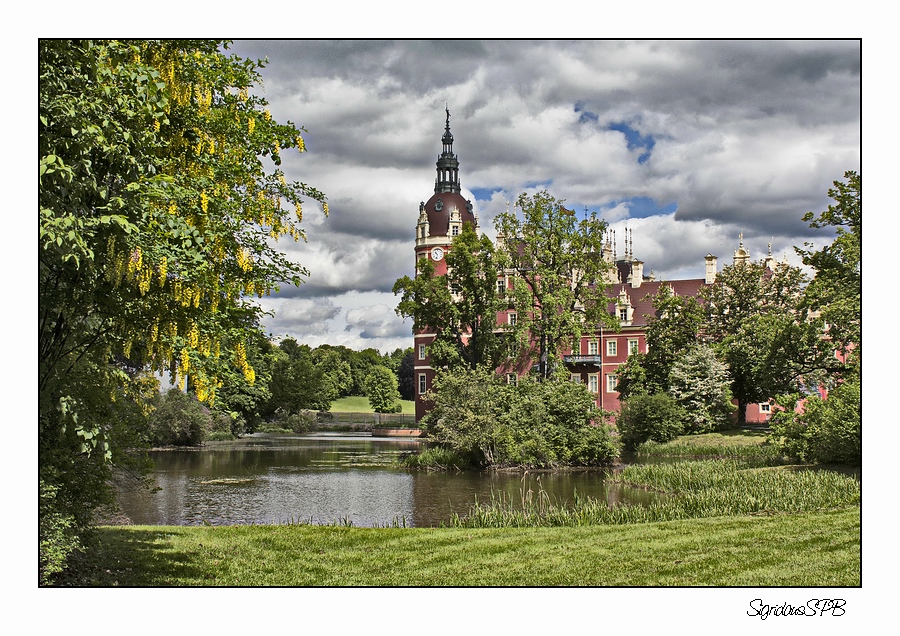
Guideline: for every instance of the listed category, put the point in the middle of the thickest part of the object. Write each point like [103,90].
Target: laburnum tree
[558,276]
[160,200]
[459,307]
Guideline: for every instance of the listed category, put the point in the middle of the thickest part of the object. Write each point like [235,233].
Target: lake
[327,478]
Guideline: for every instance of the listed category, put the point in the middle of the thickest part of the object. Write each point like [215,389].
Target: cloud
[734,136]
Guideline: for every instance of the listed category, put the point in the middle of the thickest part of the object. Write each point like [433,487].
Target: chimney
[637,273]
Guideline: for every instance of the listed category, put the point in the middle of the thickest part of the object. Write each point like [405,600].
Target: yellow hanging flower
[251,124]
[301,145]
[204,201]
[163,270]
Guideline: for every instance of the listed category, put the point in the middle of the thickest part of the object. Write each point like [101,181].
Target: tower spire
[447,165]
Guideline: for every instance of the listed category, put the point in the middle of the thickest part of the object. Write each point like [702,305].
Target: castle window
[576,378]
[612,348]
[501,286]
[422,384]
[512,378]
[512,318]
[623,314]
[611,383]
[421,352]
[632,346]
[455,230]
[593,382]
[592,348]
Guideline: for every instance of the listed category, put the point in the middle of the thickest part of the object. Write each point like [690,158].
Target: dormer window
[623,314]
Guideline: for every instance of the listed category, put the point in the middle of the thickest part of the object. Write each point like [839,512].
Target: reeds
[697,490]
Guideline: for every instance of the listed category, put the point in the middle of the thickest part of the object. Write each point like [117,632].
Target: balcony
[596,360]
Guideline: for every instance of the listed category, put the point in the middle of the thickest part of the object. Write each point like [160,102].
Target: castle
[600,353]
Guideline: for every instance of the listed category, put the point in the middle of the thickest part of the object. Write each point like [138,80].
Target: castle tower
[440,219]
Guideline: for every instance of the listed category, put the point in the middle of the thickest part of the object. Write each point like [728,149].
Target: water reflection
[334,478]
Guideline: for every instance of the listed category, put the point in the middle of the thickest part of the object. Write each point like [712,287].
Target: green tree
[558,275]
[336,372]
[835,293]
[700,384]
[631,378]
[160,194]
[460,307]
[406,376]
[489,423]
[656,417]
[673,329]
[755,322]
[381,389]
[178,420]
[297,383]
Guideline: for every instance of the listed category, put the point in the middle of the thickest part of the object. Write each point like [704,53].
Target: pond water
[334,478]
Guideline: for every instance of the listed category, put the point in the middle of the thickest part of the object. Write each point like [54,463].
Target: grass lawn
[360,404]
[811,549]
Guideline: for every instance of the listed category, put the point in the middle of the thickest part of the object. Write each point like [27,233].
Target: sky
[688,144]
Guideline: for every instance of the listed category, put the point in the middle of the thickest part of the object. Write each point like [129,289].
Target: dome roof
[439,208]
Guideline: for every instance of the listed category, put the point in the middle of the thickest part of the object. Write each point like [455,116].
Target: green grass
[731,444]
[810,549]
[360,404]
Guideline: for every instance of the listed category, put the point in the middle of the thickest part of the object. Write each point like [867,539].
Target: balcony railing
[582,359]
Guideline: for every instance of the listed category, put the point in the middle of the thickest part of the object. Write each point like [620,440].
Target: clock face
[437,254]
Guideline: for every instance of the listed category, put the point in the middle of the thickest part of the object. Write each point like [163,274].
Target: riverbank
[807,550]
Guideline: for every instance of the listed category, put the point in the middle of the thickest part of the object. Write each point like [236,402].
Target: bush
[649,417]
[490,423]
[58,538]
[179,420]
[824,431]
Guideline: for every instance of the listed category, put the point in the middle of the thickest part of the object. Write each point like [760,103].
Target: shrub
[58,538]
[649,417]
[179,420]
[490,423]
[824,431]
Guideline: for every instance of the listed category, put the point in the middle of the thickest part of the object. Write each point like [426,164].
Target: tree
[337,375]
[755,322]
[699,383]
[558,275]
[460,307]
[674,328]
[381,389]
[297,383]
[489,423]
[160,195]
[835,293]
[406,376]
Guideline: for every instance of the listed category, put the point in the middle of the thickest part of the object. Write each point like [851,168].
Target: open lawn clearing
[810,549]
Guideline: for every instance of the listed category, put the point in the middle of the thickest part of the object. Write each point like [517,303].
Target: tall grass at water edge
[696,490]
